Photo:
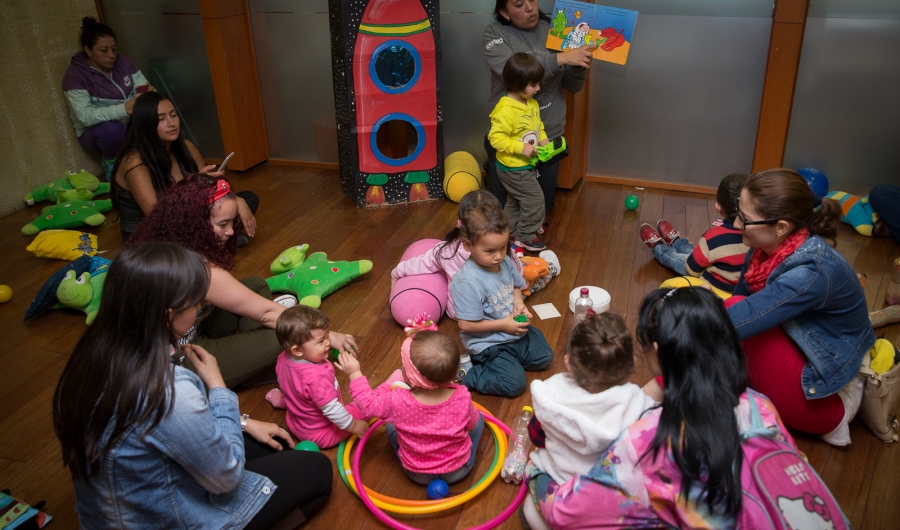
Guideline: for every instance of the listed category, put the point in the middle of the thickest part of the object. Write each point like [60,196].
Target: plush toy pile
[75,207]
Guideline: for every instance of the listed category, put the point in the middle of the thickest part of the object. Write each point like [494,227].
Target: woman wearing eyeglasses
[799,308]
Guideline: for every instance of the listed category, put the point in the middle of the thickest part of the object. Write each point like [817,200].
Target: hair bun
[87,22]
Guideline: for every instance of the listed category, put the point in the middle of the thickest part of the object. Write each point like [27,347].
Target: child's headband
[413,376]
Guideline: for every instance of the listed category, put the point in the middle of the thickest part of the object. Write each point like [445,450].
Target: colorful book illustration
[576,24]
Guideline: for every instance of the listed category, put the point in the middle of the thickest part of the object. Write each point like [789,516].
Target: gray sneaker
[463,370]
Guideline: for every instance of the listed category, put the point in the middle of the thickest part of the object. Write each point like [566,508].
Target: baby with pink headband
[433,426]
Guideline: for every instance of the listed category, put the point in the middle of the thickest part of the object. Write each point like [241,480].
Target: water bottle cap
[585,291]
[529,409]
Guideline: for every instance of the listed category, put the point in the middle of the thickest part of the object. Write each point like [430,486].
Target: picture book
[576,24]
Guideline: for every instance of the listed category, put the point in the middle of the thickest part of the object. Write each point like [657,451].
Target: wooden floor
[597,243]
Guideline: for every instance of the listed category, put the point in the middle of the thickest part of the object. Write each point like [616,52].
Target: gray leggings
[242,346]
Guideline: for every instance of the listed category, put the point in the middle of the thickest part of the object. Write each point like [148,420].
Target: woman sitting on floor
[200,214]
[799,307]
[101,87]
[156,156]
[145,444]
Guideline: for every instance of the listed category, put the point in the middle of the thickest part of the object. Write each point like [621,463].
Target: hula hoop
[425,507]
[392,504]
[388,520]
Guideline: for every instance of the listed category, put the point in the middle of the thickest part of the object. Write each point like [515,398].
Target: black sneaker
[535,245]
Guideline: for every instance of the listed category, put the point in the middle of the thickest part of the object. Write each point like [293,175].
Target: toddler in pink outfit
[433,425]
[312,396]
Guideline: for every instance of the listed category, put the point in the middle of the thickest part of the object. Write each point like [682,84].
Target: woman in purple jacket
[100,87]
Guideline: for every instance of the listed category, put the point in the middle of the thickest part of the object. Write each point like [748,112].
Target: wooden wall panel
[232,62]
[785,43]
[574,167]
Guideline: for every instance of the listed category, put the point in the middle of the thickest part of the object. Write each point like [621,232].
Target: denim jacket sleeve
[798,285]
[203,436]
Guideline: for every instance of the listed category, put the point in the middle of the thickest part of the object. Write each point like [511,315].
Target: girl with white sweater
[579,413]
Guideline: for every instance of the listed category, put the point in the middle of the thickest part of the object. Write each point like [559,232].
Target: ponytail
[92,31]
[825,221]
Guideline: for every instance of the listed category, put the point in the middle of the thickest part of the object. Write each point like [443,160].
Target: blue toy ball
[438,489]
[817,181]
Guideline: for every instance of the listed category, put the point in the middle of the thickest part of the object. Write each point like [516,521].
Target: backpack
[780,488]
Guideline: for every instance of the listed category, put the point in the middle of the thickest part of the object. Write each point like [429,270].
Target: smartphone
[225,162]
[141,89]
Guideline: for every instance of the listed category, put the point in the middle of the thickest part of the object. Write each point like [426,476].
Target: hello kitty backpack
[780,489]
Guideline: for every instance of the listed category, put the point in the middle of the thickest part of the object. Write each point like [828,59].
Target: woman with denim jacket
[799,308]
[150,444]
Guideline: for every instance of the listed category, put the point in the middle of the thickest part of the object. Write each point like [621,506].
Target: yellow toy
[63,244]
[882,356]
[462,174]
[5,294]
[690,281]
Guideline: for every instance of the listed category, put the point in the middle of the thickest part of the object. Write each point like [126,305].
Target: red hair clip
[222,189]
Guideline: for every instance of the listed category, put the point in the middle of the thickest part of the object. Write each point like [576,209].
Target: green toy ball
[632,202]
[307,445]
[521,318]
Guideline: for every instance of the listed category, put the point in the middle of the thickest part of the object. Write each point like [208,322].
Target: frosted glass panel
[854,9]
[685,107]
[708,8]
[165,40]
[846,119]
[466,81]
[293,54]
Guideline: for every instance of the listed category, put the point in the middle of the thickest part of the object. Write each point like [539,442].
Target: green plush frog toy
[84,185]
[82,293]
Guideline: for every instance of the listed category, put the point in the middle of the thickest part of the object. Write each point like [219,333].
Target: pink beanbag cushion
[422,293]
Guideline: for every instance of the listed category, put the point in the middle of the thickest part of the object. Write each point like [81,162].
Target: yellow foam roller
[462,174]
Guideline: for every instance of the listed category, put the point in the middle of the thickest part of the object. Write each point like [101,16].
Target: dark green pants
[500,370]
[242,346]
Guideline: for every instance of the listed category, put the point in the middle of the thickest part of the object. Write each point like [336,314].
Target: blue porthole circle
[420,140]
[389,67]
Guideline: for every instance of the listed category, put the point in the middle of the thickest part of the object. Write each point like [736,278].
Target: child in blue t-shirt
[487,295]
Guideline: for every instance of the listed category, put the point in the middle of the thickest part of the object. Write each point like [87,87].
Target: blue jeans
[453,476]
[675,256]
[885,200]
[546,178]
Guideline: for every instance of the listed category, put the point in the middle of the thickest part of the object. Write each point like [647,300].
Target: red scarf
[762,265]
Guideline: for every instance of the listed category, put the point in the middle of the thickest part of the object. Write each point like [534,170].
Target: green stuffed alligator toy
[312,278]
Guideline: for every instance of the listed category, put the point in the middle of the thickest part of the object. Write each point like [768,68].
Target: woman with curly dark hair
[200,214]
[156,156]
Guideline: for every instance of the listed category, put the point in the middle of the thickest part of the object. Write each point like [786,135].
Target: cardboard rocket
[386,66]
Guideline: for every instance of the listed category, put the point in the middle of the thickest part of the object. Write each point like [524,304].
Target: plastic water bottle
[513,469]
[582,304]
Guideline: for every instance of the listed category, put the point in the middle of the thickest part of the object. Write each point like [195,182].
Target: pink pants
[774,366]
[331,435]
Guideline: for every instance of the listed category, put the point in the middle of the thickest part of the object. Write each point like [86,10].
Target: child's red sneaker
[667,231]
[649,236]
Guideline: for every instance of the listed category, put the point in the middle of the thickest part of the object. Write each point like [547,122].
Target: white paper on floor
[546,311]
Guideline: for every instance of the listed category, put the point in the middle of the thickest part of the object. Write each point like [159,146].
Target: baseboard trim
[304,163]
[657,184]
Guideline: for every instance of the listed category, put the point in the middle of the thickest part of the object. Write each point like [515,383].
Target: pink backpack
[780,489]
